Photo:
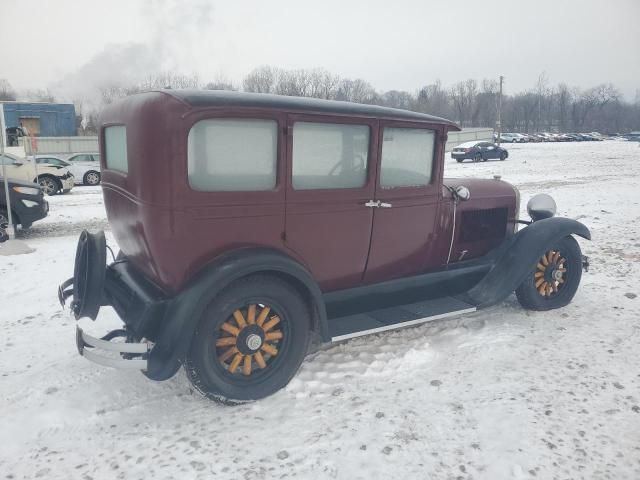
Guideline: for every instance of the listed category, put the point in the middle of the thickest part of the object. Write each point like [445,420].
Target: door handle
[377,204]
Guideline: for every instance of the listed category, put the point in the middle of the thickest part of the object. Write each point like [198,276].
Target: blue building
[41,119]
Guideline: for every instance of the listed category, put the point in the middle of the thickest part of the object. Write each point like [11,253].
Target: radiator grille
[480,225]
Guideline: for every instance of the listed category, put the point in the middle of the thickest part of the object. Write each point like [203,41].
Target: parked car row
[52,179]
[548,137]
[85,167]
[53,173]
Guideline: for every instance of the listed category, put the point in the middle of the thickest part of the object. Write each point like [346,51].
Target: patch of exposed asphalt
[61,229]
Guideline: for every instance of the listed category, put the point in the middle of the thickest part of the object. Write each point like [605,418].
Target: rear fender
[186,309]
[519,256]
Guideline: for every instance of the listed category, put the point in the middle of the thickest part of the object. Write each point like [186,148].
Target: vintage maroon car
[246,222]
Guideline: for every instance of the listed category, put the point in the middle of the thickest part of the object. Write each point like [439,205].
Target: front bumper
[133,355]
[68,183]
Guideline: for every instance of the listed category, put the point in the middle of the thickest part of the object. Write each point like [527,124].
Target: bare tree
[260,80]
[7,93]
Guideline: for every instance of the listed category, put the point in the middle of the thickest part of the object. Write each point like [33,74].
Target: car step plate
[343,328]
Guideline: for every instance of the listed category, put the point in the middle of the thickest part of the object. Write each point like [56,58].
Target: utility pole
[10,231]
[499,122]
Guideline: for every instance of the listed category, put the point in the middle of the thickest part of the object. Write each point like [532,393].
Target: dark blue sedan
[479,152]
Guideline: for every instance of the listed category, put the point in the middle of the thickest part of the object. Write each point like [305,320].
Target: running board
[376,321]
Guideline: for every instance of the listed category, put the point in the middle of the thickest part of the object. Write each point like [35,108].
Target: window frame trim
[249,116]
[337,194]
[103,138]
[437,167]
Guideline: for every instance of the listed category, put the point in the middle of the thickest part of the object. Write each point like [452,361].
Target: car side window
[329,155]
[80,158]
[407,157]
[233,155]
[4,160]
[115,143]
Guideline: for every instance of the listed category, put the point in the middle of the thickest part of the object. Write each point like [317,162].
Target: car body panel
[22,204]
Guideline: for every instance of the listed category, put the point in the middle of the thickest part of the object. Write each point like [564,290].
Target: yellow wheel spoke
[236,361]
[225,341]
[239,318]
[260,360]
[251,314]
[274,336]
[271,323]
[538,275]
[270,349]
[545,260]
[539,282]
[562,269]
[542,288]
[227,355]
[556,256]
[555,287]
[227,327]
[263,315]
[246,368]
[541,267]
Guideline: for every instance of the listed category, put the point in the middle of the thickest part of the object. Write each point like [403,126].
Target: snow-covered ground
[503,393]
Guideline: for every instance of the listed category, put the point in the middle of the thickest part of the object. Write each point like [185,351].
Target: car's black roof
[224,98]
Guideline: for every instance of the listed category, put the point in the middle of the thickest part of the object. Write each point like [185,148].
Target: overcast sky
[399,44]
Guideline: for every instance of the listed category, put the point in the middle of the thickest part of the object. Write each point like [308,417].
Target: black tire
[49,184]
[4,218]
[528,294]
[503,156]
[459,160]
[210,375]
[477,157]
[91,178]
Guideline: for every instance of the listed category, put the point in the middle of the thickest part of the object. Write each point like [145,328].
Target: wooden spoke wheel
[249,339]
[554,278]
[550,274]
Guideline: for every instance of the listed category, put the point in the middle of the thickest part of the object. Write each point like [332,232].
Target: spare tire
[88,274]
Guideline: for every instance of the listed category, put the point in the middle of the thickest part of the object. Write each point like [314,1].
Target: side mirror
[17,163]
[462,193]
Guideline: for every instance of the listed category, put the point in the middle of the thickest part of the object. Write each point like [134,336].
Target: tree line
[471,103]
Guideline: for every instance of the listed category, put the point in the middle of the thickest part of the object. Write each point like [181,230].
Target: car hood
[16,183]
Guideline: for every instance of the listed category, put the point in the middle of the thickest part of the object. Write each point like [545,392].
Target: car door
[331,177]
[16,171]
[489,150]
[408,193]
[80,164]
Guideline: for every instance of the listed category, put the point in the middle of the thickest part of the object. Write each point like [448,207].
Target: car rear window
[233,155]
[115,144]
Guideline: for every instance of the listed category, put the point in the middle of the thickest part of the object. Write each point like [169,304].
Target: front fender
[519,255]
[186,309]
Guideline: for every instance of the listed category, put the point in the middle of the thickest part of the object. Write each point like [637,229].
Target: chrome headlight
[27,190]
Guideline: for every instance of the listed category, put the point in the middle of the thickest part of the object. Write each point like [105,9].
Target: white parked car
[511,138]
[85,167]
[52,179]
